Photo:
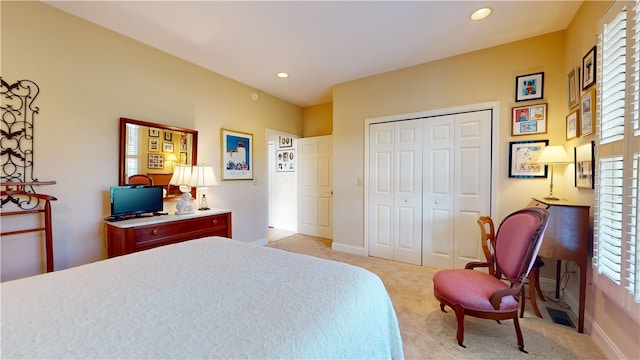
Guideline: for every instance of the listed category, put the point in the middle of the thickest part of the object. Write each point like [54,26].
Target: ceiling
[319,43]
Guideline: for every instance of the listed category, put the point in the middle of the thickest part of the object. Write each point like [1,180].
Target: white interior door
[457,187]
[396,191]
[315,186]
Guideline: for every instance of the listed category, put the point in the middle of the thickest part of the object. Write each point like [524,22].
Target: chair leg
[538,289]
[460,317]
[533,287]
[519,334]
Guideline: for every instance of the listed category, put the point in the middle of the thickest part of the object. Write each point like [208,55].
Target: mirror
[154,150]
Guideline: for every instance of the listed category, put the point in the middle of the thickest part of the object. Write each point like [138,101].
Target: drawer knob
[215,221]
[155,232]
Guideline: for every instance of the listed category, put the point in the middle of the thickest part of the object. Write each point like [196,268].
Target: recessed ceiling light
[481,13]
[282,75]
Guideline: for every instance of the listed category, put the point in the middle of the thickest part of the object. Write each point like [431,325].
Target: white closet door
[457,187]
[438,192]
[381,189]
[408,192]
[472,183]
[396,191]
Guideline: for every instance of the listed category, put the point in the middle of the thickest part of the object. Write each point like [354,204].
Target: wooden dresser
[568,237]
[127,236]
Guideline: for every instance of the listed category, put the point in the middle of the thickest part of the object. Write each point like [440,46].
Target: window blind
[132,149]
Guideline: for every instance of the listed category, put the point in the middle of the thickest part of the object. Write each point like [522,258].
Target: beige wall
[317,120]
[479,77]
[89,77]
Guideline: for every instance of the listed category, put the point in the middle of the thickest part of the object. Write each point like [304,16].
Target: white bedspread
[206,298]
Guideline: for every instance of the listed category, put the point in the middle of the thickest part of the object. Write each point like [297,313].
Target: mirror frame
[123,143]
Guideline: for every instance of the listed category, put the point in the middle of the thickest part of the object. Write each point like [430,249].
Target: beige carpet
[428,333]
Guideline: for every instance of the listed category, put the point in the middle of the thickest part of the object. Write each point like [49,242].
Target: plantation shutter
[618,156]
[132,149]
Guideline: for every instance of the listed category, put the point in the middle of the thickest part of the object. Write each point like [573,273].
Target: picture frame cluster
[581,97]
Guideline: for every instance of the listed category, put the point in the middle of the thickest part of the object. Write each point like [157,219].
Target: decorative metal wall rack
[17,179]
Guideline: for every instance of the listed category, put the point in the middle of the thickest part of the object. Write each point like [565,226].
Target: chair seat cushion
[471,289]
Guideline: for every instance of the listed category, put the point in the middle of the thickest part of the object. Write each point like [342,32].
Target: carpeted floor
[428,333]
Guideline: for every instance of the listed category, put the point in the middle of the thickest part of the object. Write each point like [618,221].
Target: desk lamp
[553,155]
[202,177]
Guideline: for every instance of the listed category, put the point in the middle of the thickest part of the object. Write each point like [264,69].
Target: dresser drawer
[136,238]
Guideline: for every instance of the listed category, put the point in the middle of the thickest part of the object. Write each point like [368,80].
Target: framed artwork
[154,132]
[168,136]
[286,160]
[523,159]
[529,87]
[237,158]
[572,125]
[156,161]
[528,120]
[154,144]
[183,142]
[585,165]
[589,69]
[286,142]
[587,113]
[573,89]
[167,147]
[183,158]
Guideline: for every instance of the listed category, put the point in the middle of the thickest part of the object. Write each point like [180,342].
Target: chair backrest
[518,241]
[487,238]
[140,179]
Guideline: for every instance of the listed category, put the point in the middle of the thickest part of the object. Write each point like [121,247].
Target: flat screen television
[135,200]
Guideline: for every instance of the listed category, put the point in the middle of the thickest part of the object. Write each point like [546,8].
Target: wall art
[528,120]
[589,69]
[585,165]
[529,87]
[237,158]
[523,157]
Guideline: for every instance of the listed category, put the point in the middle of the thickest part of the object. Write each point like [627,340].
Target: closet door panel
[381,197]
[472,183]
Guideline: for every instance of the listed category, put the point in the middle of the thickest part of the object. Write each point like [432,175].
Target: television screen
[135,200]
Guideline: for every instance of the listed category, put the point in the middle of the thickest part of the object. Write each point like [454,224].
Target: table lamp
[202,177]
[181,177]
[553,155]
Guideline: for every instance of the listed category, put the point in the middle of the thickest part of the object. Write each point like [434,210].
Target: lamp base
[551,198]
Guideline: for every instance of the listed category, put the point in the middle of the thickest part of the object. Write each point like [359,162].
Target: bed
[206,298]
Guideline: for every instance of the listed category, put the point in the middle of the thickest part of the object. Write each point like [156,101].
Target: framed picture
[183,142]
[528,120]
[285,160]
[168,136]
[572,125]
[237,159]
[183,158]
[529,87]
[167,147]
[573,89]
[154,144]
[286,142]
[587,112]
[589,69]
[156,161]
[523,157]
[585,165]
[154,132]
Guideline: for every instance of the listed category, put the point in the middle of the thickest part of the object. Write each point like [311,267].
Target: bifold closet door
[395,192]
[456,187]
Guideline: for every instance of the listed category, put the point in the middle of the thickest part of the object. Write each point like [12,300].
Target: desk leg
[558,270]
[583,290]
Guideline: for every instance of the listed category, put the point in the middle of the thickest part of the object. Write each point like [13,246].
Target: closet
[429,180]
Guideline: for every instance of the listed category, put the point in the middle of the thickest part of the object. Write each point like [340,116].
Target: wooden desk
[567,238]
[127,236]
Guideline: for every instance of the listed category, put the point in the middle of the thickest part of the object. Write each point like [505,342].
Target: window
[132,150]
[616,254]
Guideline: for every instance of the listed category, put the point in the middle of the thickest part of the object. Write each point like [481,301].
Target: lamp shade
[203,176]
[554,155]
[181,175]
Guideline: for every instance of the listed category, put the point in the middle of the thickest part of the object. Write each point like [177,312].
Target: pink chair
[482,295]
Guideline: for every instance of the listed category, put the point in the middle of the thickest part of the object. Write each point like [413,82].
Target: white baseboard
[349,249]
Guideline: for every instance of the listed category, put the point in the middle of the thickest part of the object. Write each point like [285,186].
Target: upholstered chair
[479,294]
